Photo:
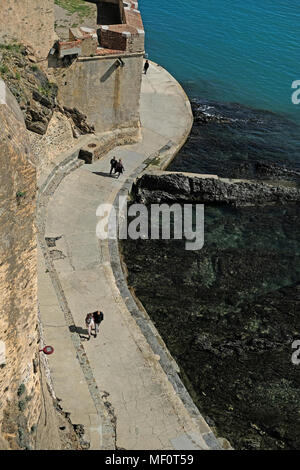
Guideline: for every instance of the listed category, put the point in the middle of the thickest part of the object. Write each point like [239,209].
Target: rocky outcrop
[151,189]
[79,119]
[273,170]
[30,416]
[58,139]
[35,94]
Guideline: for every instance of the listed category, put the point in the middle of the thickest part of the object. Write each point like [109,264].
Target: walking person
[98,318]
[146,66]
[90,324]
[113,164]
[119,167]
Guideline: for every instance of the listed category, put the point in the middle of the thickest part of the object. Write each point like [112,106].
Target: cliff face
[30,86]
[30,22]
[19,370]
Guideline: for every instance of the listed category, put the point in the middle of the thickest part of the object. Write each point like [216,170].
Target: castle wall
[106,92]
[30,22]
[19,367]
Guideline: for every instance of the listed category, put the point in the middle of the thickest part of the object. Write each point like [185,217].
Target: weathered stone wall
[58,139]
[30,22]
[19,372]
[107,93]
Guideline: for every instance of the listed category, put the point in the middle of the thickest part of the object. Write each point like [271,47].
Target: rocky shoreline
[153,189]
[236,141]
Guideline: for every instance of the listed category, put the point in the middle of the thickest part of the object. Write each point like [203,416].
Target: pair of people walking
[116,166]
[92,321]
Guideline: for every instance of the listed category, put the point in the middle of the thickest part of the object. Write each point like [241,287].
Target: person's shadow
[101,173]
[82,332]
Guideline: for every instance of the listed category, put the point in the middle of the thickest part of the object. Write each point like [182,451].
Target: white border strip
[2,92]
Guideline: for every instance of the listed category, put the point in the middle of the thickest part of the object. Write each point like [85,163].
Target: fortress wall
[104,84]
[30,22]
[107,93]
[19,354]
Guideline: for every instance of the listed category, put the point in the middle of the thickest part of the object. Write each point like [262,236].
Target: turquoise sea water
[229,50]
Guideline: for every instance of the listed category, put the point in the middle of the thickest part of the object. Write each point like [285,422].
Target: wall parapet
[128,36]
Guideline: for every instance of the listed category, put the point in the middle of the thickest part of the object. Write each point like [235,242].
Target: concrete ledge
[102,144]
[111,56]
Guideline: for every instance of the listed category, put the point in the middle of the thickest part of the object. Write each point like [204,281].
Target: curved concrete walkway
[114,385]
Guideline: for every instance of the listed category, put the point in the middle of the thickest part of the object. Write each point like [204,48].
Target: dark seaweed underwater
[229,313]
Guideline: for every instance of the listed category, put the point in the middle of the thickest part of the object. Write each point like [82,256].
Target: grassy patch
[75,6]
[11,47]
[20,194]
[4,69]
[47,90]
[22,387]
[22,405]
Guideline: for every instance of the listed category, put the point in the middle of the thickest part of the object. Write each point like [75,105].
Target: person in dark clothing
[146,66]
[98,318]
[113,164]
[119,167]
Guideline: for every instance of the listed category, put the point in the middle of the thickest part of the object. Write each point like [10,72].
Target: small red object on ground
[47,350]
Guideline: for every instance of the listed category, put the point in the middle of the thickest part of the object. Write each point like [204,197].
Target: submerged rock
[229,314]
[236,141]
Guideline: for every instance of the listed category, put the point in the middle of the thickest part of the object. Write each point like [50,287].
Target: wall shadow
[109,72]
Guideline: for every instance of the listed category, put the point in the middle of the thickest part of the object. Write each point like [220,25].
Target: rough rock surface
[151,189]
[30,86]
[79,120]
[58,139]
[19,377]
[29,21]
[36,95]
[29,417]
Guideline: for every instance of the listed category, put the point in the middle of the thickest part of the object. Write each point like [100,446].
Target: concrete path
[113,384]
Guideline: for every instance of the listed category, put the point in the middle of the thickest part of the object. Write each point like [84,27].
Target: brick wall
[128,36]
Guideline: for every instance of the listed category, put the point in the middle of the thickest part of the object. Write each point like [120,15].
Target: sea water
[228,50]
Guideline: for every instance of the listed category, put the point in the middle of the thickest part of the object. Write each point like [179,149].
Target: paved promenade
[113,384]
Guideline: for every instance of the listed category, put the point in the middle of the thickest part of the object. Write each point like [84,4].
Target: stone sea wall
[19,370]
